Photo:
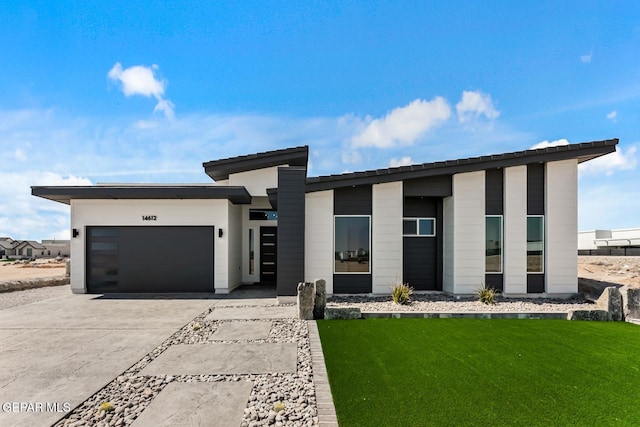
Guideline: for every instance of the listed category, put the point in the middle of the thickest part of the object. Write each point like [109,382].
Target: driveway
[56,353]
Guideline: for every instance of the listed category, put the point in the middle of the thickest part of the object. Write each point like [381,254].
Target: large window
[252,252]
[535,244]
[493,246]
[420,227]
[352,244]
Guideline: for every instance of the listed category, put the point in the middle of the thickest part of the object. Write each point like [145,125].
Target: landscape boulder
[306,300]
[320,300]
[611,301]
[342,313]
[630,302]
[594,315]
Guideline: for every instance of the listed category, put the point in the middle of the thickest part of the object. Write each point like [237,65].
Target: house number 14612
[149,218]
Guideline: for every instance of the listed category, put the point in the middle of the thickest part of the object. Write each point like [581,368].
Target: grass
[477,372]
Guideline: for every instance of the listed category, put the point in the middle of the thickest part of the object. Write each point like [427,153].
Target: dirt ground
[40,269]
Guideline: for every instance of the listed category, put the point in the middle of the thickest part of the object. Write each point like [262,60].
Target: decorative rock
[342,313]
[321,299]
[596,315]
[630,302]
[67,265]
[305,300]
[611,301]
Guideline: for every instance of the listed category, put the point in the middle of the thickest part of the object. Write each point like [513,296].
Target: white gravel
[440,303]
[16,298]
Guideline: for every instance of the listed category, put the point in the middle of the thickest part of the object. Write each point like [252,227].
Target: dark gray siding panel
[493,192]
[351,283]
[535,283]
[422,256]
[535,189]
[495,281]
[352,200]
[433,186]
[291,184]
[420,207]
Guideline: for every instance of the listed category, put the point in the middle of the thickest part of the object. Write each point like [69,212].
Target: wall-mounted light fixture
[75,232]
[220,233]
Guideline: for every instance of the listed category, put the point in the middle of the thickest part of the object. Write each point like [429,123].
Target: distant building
[609,242]
[10,248]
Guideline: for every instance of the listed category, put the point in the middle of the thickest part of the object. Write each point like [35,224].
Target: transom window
[263,214]
[419,227]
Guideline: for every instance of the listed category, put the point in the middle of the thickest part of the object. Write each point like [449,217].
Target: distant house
[506,220]
[609,242]
[11,248]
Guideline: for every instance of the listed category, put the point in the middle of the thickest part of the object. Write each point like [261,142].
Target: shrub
[106,407]
[486,295]
[196,327]
[279,406]
[401,293]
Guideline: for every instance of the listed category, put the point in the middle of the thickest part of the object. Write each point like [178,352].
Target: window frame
[334,244]
[417,220]
[542,255]
[501,244]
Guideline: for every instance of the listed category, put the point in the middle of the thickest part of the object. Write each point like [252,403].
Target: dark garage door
[150,259]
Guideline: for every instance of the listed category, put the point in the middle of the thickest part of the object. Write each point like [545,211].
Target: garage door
[150,259]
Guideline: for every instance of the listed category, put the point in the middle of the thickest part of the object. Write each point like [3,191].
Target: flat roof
[220,169]
[582,152]
[64,194]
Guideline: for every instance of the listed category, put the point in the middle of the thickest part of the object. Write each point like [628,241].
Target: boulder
[596,315]
[305,300]
[344,313]
[321,299]
[67,265]
[611,301]
[630,302]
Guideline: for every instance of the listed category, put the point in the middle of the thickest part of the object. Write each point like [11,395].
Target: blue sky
[146,91]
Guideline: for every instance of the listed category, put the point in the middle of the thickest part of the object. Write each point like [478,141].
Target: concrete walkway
[60,352]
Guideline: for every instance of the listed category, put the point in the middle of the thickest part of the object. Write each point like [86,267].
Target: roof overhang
[64,194]
[582,152]
[220,169]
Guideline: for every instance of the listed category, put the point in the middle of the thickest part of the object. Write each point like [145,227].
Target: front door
[268,255]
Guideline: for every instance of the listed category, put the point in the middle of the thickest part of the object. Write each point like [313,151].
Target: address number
[149,218]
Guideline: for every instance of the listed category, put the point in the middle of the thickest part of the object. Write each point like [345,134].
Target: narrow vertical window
[535,244]
[352,244]
[493,245]
[252,261]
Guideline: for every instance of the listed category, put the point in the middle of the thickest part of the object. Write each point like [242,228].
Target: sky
[132,91]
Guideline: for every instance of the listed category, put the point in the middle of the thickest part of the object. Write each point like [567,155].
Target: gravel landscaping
[14,299]
[130,393]
[437,303]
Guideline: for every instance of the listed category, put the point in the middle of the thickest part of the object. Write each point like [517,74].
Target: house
[507,220]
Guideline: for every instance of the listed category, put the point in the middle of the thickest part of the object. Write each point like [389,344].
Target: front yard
[476,372]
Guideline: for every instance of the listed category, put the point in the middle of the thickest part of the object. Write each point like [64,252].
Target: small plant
[401,293]
[279,406]
[196,326]
[106,407]
[486,295]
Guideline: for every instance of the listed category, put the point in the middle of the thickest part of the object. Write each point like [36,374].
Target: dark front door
[268,254]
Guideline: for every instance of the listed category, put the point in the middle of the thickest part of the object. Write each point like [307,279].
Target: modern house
[609,242]
[507,220]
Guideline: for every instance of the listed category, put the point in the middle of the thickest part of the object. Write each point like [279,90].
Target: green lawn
[477,372]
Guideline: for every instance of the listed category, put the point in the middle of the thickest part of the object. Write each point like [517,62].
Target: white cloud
[613,116]
[403,161]
[141,80]
[554,143]
[403,125]
[585,59]
[351,156]
[476,104]
[618,160]
[20,155]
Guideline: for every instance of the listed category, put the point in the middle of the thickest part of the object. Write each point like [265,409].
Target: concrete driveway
[54,354]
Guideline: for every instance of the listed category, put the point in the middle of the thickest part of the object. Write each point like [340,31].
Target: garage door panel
[164,259]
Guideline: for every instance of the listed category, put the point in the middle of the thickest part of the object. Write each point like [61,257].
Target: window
[352,244]
[252,260]
[535,244]
[493,245]
[263,215]
[420,227]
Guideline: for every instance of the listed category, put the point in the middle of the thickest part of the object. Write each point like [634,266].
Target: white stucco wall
[256,181]
[318,240]
[561,227]
[232,236]
[469,231]
[386,230]
[129,213]
[515,230]
[448,275]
